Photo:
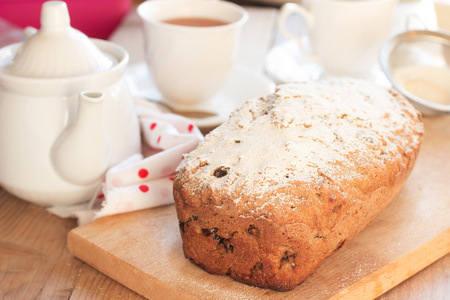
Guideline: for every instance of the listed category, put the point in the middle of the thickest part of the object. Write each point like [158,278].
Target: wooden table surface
[36,264]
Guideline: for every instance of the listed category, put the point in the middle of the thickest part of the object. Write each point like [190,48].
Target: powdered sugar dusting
[304,132]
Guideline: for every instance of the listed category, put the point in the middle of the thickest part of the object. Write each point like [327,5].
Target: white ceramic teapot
[66,113]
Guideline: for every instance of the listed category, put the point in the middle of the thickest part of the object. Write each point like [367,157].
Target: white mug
[442,10]
[345,35]
[190,64]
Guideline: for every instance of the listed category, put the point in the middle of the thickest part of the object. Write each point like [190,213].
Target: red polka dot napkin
[143,180]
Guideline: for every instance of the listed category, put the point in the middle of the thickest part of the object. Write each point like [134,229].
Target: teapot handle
[289,9]
[29,31]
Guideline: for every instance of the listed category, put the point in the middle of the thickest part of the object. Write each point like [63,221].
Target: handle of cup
[291,8]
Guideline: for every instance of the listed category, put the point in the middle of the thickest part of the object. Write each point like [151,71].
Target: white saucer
[243,84]
[285,63]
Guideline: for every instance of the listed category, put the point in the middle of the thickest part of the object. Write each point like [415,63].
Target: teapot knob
[55,16]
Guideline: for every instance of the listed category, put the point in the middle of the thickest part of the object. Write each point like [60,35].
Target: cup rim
[141,10]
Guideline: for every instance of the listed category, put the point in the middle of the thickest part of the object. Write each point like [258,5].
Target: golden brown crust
[271,220]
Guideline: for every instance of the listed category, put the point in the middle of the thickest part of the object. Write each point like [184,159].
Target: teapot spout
[81,154]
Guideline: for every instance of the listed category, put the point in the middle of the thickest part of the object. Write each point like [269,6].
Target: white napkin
[142,180]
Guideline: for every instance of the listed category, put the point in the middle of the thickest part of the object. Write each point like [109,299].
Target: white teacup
[190,64]
[345,35]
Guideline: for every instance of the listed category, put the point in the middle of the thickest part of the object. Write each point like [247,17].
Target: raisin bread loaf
[291,177]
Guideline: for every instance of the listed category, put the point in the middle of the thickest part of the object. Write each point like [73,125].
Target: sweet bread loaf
[291,177]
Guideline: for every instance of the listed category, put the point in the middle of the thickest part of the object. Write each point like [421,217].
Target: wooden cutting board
[142,250]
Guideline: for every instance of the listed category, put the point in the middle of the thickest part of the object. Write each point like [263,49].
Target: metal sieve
[417,63]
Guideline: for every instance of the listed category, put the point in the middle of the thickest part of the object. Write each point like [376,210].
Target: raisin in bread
[291,177]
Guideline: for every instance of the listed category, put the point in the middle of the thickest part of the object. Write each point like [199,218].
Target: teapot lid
[57,50]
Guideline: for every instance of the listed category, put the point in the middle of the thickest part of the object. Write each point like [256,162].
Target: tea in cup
[191,46]
[345,35]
